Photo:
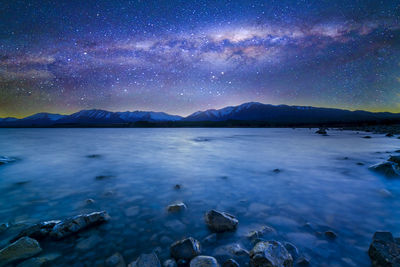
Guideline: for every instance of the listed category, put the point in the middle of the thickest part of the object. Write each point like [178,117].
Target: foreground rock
[260,233]
[146,260]
[384,250]
[270,254]
[185,249]
[387,168]
[230,263]
[21,249]
[37,231]
[170,263]
[178,207]
[77,223]
[219,221]
[44,260]
[204,261]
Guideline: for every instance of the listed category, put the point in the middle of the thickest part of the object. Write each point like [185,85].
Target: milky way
[184,56]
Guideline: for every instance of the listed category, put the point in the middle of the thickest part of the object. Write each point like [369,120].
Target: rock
[89,242]
[302,261]
[102,177]
[385,193]
[387,168]
[37,231]
[115,260]
[389,135]
[367,137]
[395,159]
[185,249]
[93,156]
[182,263]
[23,248]
[89,201]
[270,254]
[230,250]
[230,263]
[220,221]
[44,260]
[384,250]
[170,263]
[178,207]
[292,250]
[276,170]
[4,227]
[210,239]
[177,186]
[5,160]
[146,260]
[360,164]
[204,261]
[78,223]
[330,234]
[259,233]
[321,131]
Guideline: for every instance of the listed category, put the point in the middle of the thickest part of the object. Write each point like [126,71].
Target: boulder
[23,248]
[204,261]
[115,260]
[77,223]
[230,263]
[170,263]
[37,231]
[146,260]
[387,168]
[384,250]
[219,221]
[270,254]
[178,207]
[185,249]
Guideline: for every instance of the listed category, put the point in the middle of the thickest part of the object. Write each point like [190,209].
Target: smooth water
[319,183]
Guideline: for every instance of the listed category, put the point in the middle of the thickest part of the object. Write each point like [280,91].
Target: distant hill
[248,114]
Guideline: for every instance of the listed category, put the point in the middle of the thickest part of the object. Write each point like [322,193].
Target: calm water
[228,169]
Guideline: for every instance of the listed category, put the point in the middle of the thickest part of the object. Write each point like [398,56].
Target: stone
[302,261]
[292,249]
[37,231]
[185,249]
[321,131]
[395,159]
[115,260]
[270,254]
[219,221]
[230,250]
[78,223]
[178,207]
[170,263]
[230,263]
[146,260]
[367,137]
[330,234]
[177,186]
[23,248]
[389,135]
[384,250]
[259,233]
[4,227]
[204,261]
[89,201]
[386,168]
[40,261]
[89,242]
[276,170]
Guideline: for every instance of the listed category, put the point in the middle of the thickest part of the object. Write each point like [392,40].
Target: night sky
[183,56]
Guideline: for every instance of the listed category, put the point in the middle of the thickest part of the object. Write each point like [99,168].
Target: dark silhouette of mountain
[250,114]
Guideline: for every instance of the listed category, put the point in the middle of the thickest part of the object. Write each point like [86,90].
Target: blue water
[319,183]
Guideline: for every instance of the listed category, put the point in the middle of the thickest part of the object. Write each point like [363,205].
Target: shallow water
[319,183]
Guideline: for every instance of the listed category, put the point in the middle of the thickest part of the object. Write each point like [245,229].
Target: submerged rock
[204,261]
[77,223]
[294,252]
[23,248]
[4,227]
[185,249]
[146,260]
[259,233]
[330,234]
[230,263]
[178,207]
[115,260]
[5,160]
[367,137]
[321,131]
[387,168]
[219,221]
[384,250]
[302,261]
[44,260]
[93,156]
[170,263]
[270,254]
[177,186]
[37,231]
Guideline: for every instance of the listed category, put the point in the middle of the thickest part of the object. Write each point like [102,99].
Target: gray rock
[170,263]
[115,260]
[261,232]
[40,261]
[387,168]
[292,249]
[23,248]
[384,250]
[204,261]
[230,250]
[78,223]
[330,234]
[37,231]
[89,242]
[270,254]
[219,221]
[4,227]
[302,261]
[146,260]
[230,263]
[321,131]
[178,207]
[5,160]
[185,249]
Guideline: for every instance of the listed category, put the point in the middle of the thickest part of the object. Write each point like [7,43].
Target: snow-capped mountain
[133,116]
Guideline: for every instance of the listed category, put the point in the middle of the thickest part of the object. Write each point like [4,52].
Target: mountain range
[281,115]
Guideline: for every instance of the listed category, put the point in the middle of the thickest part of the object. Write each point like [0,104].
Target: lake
[293,180]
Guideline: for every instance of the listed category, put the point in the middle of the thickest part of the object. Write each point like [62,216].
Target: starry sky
[180,56]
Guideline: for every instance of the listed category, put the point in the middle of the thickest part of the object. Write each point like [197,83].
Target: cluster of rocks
[25,245]
[389,168]
[384,250]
